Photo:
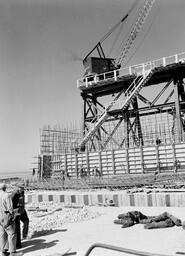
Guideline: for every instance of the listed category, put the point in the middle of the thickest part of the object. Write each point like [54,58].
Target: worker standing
[20,215]
[7,224]
[23,214]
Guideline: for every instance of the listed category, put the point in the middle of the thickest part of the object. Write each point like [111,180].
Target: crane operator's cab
[98,66]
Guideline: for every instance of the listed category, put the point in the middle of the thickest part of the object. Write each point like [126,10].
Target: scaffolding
[157,127]
[57,140]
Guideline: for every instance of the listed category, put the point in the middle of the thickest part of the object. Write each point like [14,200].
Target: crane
[108,64]
[102,64]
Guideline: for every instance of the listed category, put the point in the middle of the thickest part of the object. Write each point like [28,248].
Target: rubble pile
[42,223]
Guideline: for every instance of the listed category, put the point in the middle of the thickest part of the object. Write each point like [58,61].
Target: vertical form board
[174,157]
[127,160]
[94,199]
[73,164]
[62,163]
[76,165]
[132,199]
[134,160]
[56,198]
[67,199]
[125,199]
[73,199]
[93,159]
[180,155]
[177,110]
[149,200]
[29,199]
[106,161]
[77,201]
[115,200]
[142,199]
[172,199]
[82,161]
[179,200]
[154,199]
[100,199]
[120,200]
[40,198]
[142,160]
[113,162]
[87,162]
[149,155]
[80,200]
[183,200]
[137,199]
[120,161]
[79,161]
[65,163]
[167,199]
[62,199]
[157,158]
[90,199]
[50,198]
[166,157]
[161,199]
[86,199]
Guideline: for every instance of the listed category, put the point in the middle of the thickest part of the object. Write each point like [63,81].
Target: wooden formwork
[159,158]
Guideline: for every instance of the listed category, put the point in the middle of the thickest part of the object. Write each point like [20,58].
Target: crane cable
[112,29]
[120,22]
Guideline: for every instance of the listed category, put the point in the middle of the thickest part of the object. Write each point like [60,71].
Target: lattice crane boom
[142,15]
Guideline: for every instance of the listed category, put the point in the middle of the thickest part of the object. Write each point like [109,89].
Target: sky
[42,44]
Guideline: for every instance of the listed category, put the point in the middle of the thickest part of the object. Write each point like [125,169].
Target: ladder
[130,94]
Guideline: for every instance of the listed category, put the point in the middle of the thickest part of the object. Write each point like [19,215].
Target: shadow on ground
[68,253]
[37,244]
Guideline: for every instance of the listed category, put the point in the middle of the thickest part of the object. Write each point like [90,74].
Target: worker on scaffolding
[96,172]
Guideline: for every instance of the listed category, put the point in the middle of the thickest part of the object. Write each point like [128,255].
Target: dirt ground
[75,238]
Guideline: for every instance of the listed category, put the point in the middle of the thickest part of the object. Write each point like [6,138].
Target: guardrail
[131,70]
[120,249]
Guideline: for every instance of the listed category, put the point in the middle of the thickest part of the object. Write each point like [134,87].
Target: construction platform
[109,82]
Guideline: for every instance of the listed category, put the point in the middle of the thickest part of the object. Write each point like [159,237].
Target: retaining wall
[120,198]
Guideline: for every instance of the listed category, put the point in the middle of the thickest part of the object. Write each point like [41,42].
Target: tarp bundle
[163,220]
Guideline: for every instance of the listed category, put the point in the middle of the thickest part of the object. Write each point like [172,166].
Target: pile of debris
[49,217]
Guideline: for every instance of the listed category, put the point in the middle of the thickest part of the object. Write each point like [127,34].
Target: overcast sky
[42,43]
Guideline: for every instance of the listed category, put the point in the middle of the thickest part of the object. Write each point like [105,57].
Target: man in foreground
[7,224]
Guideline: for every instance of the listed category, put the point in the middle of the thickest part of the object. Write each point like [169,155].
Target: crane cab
[97,65]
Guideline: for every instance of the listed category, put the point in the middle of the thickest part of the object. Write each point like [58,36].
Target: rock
[56,217]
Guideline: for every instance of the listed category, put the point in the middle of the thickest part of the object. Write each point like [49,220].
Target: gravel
[42,222]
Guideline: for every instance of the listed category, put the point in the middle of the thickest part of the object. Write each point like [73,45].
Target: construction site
[127,133]
[125,158]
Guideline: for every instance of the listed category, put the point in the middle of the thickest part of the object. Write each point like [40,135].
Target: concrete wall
[120,198]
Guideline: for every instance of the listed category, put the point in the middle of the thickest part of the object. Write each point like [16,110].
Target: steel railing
[131,70]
